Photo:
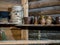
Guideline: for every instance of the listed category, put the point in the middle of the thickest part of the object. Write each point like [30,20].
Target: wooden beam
[45,9]
[5,4]
[31,0]
[25,7]
[39,4]
[49,12]
[41,0]
[38,25]
[24,34]
[31,42]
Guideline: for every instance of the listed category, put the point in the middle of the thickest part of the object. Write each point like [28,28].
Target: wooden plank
[39,4]
[38,25]
[16,32]
[8,34]
[31,42]
[24,34]
[31,0]
[5,4]
[25,7]
[48,12]
[9,1]
[45,9]
[41,0]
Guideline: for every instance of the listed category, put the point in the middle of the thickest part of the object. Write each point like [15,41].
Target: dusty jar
[17,15]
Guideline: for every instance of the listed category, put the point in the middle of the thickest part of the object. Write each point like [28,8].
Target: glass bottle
[2,34]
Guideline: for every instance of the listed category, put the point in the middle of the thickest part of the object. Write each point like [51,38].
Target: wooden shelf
[38,25]
[6,24]
[28,24]
[32,25]
[31,42]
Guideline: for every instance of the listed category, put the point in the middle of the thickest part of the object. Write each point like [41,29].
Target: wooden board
[5,4]
[8,33]
[24,3]
[16,32]
[49,12]
[39,4]
[24,34]
[31,42]
[41,0]
[45,9]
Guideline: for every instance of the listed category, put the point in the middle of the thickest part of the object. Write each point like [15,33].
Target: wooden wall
[5,4]
[14,33]
[44,7]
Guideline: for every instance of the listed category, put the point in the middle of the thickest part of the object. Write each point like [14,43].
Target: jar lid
[17,8]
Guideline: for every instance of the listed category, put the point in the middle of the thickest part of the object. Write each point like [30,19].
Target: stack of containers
[17,15]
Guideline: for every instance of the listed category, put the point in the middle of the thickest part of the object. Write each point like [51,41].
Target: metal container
[17,15]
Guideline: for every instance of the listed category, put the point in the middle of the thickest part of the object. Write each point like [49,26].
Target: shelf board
[38,25]
[6,24]
[30,42]
[28,25]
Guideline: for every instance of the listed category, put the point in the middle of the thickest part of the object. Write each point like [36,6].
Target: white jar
[17,15]
[17,8]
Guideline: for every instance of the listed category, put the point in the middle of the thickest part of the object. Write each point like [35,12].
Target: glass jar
[17,15]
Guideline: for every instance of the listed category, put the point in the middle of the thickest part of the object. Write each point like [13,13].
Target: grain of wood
[31,42]
[24,34]
[5,4]
[43,4]
[8,34]
[48,12]
[24,3]
[41,0]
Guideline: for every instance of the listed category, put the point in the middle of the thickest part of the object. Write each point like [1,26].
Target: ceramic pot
[57,20]
[31,19]
[42,20]
[49,20]
[35,20]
